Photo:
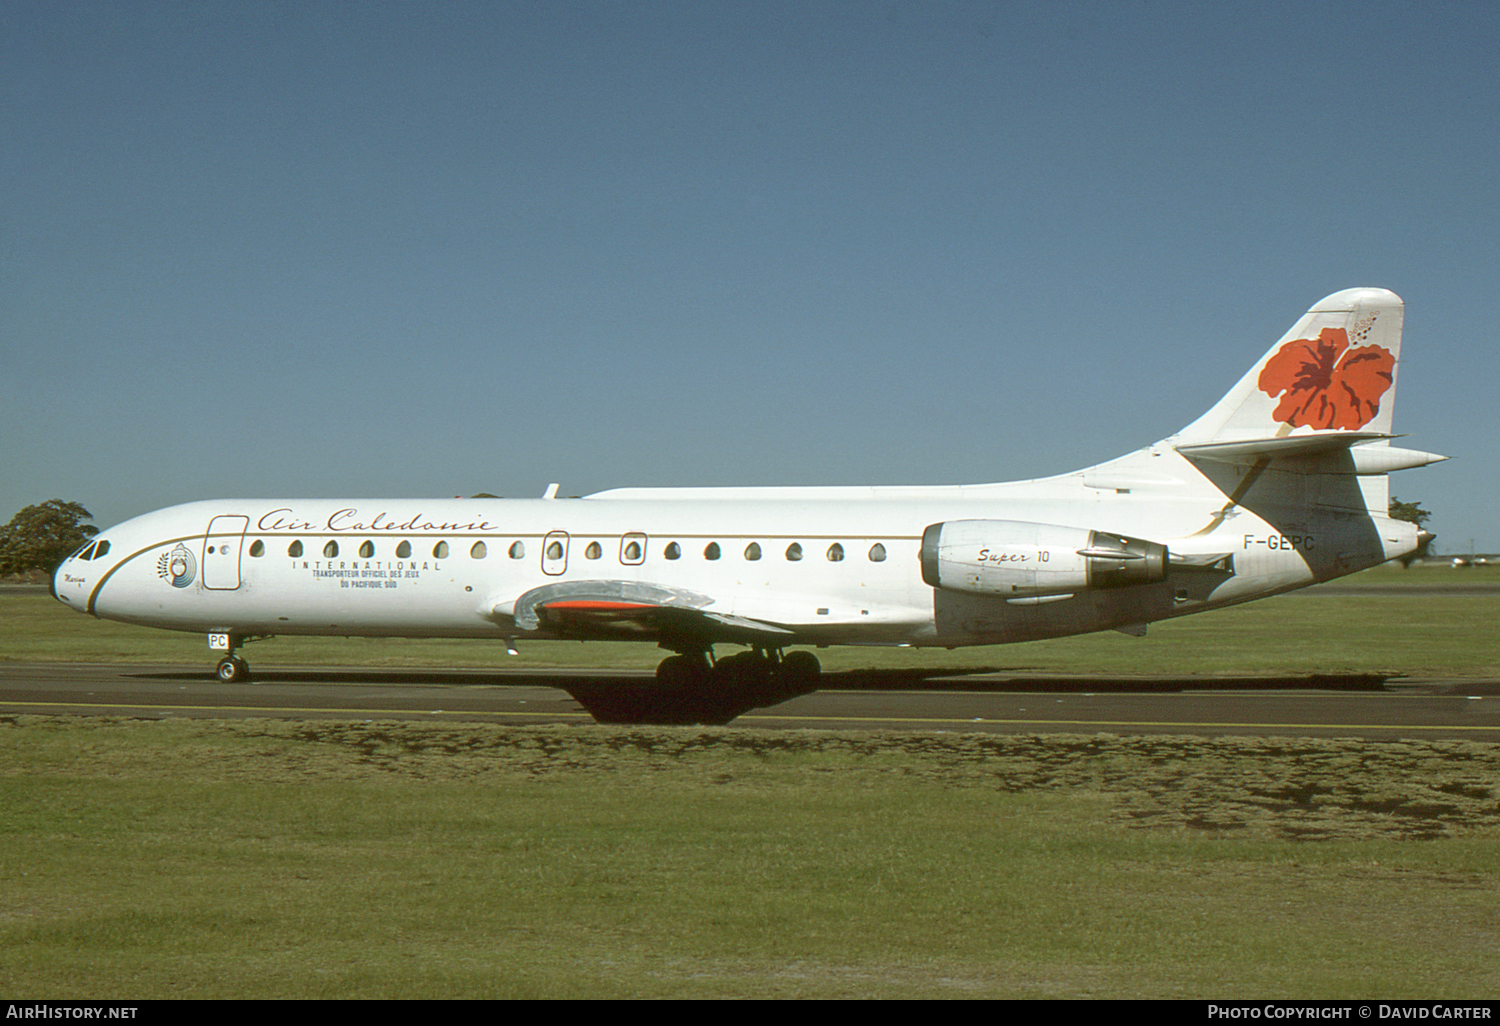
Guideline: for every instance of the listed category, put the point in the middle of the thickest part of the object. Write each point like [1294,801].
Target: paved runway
[1346,706]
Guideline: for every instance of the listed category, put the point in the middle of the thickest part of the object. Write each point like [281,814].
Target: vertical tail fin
[1317,407]
[1334,371]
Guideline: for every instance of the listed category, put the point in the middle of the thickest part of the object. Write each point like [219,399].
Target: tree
[40,537]
[1412,513]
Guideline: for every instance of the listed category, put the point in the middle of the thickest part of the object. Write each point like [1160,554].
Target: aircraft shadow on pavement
[978,679]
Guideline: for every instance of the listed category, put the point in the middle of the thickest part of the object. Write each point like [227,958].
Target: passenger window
[403,551]
[294,549]
[752,551]
[672,551]
[517,550]
[366,550]
[440,550]
[794,551]
[835,553]
[712,552]
[257,548]
[331,549]
[632,552]
[479,551]
[593,551]
[877,553]
[554,550]
[633,548]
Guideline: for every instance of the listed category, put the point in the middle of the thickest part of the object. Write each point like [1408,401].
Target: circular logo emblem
[177,566]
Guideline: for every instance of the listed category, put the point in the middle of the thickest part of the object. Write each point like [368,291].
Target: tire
[800,672]
[233,670]
[679,671]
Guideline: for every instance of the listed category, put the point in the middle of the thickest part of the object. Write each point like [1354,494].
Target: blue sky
[335,249]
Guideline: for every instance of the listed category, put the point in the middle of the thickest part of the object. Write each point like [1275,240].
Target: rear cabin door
[221,552]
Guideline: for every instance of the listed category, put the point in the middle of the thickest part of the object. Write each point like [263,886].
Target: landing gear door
[221,552]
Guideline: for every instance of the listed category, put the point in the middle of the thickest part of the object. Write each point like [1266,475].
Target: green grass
[1420,575]
[278,859]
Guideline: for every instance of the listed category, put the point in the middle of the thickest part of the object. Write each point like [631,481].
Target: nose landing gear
[231,669]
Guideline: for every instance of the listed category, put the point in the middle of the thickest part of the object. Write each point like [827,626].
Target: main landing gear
[692,687]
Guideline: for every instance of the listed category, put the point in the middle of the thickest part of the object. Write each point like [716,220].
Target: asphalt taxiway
[1332,706]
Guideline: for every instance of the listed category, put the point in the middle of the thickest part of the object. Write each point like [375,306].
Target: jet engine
[1013,558]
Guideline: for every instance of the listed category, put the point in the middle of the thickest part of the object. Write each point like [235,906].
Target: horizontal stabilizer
[1382,459]
[1375,458]
[1250,450]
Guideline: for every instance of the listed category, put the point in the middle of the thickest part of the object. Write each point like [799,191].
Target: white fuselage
[834,566]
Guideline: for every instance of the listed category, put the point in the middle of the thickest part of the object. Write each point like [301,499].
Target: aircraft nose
[69,583]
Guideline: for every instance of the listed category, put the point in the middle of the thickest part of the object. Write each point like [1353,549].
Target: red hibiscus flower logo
[1325,384]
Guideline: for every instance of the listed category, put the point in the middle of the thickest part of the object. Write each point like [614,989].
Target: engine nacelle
[1013,558]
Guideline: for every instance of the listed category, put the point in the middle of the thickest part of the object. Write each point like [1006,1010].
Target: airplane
[1281,484]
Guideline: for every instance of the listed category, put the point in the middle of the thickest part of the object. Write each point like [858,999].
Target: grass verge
[268,858]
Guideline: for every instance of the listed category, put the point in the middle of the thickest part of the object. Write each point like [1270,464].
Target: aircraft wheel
[680,671]
[749,678]
[800,672]
[233,670]
[743,672]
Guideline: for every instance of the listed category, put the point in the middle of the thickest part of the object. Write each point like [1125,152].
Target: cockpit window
[87,552]
[101,550]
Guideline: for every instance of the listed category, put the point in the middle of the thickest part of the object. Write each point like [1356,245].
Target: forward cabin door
[221,552]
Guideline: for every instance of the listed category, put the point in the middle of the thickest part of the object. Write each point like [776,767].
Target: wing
[633,611]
